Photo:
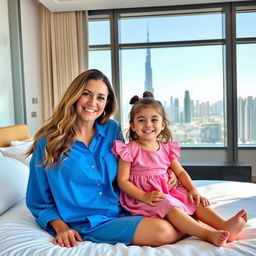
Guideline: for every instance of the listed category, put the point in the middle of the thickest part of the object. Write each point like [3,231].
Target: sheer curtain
[64,53]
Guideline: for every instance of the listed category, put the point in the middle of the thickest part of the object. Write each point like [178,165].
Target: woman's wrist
[58,225]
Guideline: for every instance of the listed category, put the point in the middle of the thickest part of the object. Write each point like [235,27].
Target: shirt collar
[100,129]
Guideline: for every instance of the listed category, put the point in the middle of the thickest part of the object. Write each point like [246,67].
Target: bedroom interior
[225,174]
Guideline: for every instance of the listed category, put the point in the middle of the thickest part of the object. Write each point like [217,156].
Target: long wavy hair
[60,128]
[145,102]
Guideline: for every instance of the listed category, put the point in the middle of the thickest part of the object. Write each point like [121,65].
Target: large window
[174,62]
[184,56]
[246,77]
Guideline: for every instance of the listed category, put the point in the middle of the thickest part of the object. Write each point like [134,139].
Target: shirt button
[93,166]
[98,184]
[100,193]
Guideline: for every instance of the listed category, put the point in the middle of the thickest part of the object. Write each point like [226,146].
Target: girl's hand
[173,182]
[194,195]
[67,238]
[153,196]
[204,201]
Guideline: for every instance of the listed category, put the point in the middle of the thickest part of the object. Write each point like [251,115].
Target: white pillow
[13,182]
[18,151]
[17,142]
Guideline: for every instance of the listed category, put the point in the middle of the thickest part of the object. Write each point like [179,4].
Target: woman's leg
[185,223]
[233,225]
[155,232]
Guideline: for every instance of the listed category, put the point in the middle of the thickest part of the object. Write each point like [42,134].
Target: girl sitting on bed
[142,177]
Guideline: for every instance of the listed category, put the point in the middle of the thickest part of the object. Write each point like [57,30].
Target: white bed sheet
[20,235]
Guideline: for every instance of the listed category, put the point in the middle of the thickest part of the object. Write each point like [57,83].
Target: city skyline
[211,130]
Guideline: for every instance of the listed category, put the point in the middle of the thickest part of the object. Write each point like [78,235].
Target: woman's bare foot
[218,237]
[235,225]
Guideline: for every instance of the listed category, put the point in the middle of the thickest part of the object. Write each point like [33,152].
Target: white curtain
[64,53]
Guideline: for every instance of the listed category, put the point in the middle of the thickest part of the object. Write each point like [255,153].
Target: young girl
[143,177]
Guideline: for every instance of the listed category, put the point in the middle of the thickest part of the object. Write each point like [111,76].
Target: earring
[104,114]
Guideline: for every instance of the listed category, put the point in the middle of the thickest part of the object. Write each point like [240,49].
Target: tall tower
[148,69]
[187,108]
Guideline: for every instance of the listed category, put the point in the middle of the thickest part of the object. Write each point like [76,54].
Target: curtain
[64,53]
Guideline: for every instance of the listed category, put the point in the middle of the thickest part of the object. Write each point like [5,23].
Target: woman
[72,191]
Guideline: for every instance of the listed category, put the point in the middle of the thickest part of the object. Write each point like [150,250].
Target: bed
[21,236]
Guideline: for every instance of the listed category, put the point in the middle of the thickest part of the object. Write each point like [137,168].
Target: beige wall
[31,61]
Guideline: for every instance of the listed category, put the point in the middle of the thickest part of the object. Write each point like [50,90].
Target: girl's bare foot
[235,225]
[218,238]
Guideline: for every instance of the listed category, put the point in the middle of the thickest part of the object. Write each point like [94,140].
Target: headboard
[15,132]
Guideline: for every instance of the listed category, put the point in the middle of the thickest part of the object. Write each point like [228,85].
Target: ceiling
[74,5]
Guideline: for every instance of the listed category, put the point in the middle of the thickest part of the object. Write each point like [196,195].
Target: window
[246,77]
[99,30]
[184,57]
[169,26]
[99,41]
[101,59]
[185,73]
[246,24]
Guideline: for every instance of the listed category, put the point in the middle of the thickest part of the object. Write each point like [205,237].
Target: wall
[248,156]
[219,155]
[31,60]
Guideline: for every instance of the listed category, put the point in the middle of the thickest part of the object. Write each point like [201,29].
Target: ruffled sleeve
[121,149]
[174,150]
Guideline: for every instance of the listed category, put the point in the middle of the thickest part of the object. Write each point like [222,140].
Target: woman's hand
[66,237]
[151,197]
[173,182]
[194,195]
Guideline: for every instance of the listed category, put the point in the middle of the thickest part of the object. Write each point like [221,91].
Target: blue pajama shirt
[82,190]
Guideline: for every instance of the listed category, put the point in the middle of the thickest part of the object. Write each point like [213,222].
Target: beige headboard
[15,132]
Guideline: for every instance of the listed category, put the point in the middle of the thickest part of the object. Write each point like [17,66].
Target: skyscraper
[250,118]
[171,118]
[148,69]
[176,110]
[241,119]
[187,108]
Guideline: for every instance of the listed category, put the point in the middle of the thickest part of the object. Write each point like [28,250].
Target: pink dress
[149,172]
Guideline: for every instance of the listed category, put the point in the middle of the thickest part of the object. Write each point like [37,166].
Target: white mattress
[20,235]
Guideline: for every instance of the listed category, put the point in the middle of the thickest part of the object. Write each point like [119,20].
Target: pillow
[18,151]
[17,142]
[13,182]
